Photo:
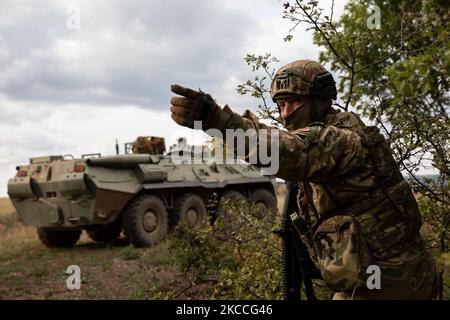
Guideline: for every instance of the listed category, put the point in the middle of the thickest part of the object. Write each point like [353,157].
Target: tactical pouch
[343,256]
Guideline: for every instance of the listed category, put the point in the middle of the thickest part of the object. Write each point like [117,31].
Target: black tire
[264,201]
[229,211]
[105,233]
[191,209]
[58,238]
[145,221]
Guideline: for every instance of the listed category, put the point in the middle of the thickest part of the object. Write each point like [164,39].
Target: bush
[241,264]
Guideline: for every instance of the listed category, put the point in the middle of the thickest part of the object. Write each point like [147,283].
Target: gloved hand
[195,106]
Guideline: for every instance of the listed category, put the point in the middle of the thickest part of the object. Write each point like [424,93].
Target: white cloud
[75,129]
[74,91]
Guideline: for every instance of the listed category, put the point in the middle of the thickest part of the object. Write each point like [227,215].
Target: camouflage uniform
[333,158]
[359,208]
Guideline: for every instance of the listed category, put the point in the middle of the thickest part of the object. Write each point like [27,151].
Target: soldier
[151,145]
[359,209]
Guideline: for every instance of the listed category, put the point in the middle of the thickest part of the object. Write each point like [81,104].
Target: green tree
[392,59]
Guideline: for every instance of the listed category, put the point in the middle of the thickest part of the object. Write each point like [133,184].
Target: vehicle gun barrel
[122,161]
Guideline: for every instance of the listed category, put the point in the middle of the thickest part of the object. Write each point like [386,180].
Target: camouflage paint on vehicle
[73,194]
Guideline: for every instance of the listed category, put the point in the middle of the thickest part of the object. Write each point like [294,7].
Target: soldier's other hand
[190,106]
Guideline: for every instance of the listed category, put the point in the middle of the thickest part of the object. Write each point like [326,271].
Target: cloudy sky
[76,75]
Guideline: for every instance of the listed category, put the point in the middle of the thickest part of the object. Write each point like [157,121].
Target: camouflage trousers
[408,276]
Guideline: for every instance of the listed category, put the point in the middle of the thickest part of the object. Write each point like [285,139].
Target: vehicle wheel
[229,209]
[191,209]
[264,201]
[105,233]
[145,221]
[58,238]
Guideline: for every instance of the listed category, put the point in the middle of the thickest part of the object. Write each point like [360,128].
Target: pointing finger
[186,92]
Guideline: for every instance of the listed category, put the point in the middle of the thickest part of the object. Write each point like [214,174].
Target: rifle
[297,266]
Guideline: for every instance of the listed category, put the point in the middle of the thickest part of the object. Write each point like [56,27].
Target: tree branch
[330,45]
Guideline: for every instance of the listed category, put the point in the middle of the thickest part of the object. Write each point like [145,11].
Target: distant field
[5,206]
[8,216]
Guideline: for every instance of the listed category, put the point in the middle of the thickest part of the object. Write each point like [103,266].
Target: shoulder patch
[310,132]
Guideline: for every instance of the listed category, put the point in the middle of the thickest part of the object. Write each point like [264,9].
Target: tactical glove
[196,106]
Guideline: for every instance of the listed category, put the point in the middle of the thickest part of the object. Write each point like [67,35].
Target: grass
[29,270]
[8,216]
[6,206]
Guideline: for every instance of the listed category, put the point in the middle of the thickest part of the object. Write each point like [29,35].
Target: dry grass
[6,206]
[28,270]
[8,216]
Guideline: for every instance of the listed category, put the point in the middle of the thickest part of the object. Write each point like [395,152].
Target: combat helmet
[303,77]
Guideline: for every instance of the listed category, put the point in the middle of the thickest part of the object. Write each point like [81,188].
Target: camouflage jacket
[336,161]
[361,211]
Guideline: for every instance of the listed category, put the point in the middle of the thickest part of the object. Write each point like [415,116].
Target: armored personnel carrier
[143,194]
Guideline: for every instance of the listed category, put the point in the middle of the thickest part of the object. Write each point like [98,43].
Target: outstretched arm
[317,153]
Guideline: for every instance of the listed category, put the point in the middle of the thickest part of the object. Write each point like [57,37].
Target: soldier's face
[289,105]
